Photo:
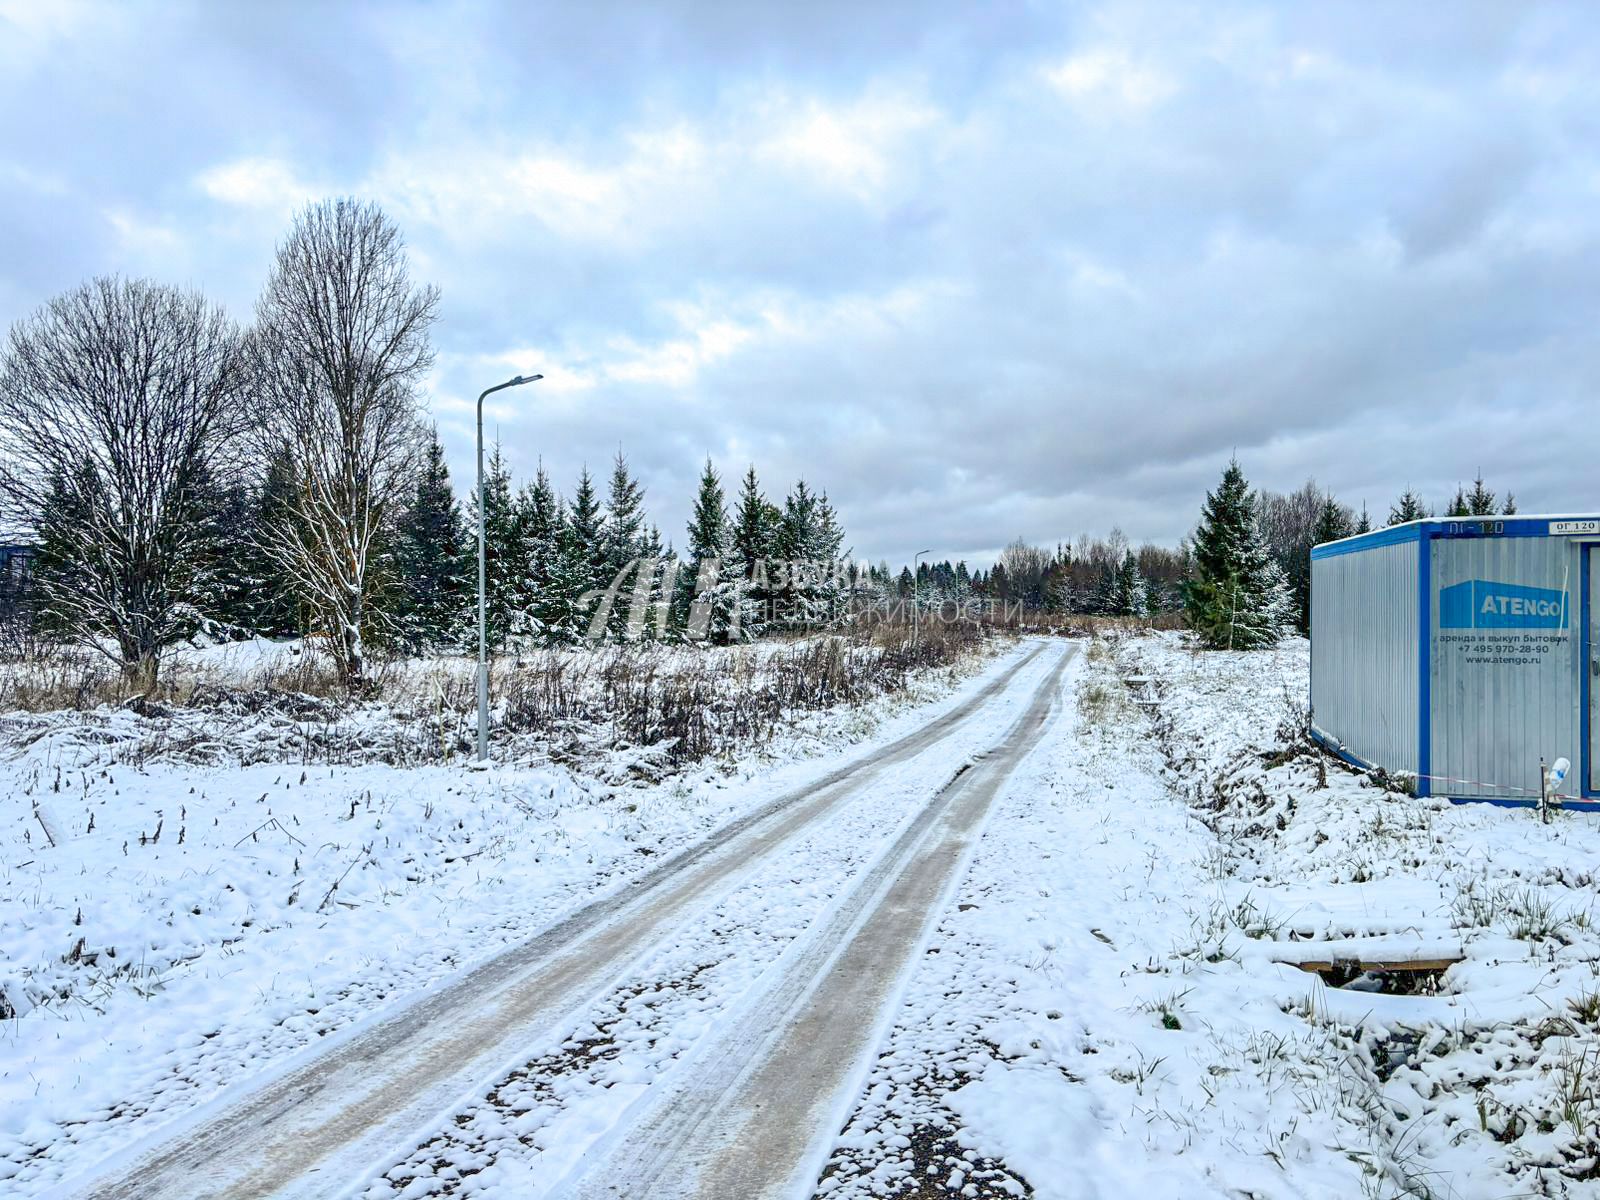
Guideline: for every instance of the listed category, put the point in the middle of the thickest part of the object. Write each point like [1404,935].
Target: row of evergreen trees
[1479,502]
[550,558]
[1093,577]
[1243,581]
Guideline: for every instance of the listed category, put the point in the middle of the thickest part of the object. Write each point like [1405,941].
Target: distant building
[15,562]
[16,573]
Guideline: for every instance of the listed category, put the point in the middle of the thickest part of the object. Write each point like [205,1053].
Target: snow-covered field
[194,923]
[1110,1006]
[1107,1012]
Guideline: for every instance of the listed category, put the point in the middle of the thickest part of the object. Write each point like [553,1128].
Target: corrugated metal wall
[1364,653]
[1503,664]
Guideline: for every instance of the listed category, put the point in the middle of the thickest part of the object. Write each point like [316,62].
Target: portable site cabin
[1459,652]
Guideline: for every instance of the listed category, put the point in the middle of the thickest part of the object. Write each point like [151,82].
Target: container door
[1591,647]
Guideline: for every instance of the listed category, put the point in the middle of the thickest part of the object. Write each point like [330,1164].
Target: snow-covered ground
[1110,1005]
[1106,1011]
[192,924]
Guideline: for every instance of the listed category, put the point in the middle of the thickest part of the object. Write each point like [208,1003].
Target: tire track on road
[753,1114]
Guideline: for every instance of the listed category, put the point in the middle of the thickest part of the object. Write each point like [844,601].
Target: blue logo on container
[1485,604]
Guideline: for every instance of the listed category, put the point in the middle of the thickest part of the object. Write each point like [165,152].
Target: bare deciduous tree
[1289,526]
[119,404]
[1025,567]
[340,344]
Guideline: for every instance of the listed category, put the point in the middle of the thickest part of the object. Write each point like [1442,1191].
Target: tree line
[178,471]
[1087,577]
[1243,580]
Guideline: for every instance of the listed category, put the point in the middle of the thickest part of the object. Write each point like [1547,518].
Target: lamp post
[916,593]
[483,576]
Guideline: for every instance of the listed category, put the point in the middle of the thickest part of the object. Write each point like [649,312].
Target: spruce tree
[69,566]
[539,523]
[1063,594]
[1154,598]
[707,612]
[1481,501]
[753,537]
[586,526]
[271,608]
[563,615]
[832,562]
[797,529]
[1364,521]
[505,562]
[622,542]
[242,575]
[1128,590]
[1408,508]
[539,511]
[621,537]
[1103,601]
[1333,522]
[1235,598]
[664,587]
[64,563]
[796,544]
[999,585]
[432,559]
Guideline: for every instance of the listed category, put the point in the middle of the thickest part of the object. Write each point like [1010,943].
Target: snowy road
[753,1115]
[803,916]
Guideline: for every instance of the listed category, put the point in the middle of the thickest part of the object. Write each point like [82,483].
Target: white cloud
[261,183]
[483,188]
[150,241]
[45,20]
[851,146]
[570,198]
[1112,75]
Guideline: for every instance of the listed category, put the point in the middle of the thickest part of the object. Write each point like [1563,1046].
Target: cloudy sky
[977,272]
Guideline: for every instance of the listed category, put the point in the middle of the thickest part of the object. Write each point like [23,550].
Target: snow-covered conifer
[1235,597]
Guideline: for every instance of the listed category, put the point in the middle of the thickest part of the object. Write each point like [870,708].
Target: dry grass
[51,678]
[668,705]
[696,705]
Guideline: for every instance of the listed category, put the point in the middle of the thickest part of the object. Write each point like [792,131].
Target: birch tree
[339,348]
[119,407]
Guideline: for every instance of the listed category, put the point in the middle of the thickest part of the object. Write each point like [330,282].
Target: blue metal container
[1458,653]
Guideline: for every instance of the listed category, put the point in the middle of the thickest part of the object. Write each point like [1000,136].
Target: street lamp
[483,575]
[916,591]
